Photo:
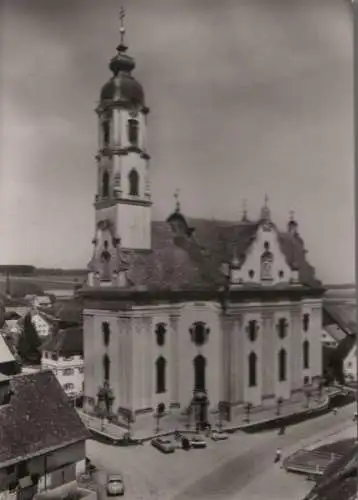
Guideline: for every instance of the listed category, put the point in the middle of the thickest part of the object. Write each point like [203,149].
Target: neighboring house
[8,363]
[63,354]
[332,335]
[66,313]
[343,359]
[39,300]
[42,439]
[43,323]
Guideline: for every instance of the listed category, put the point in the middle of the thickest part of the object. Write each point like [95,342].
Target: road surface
[240,468]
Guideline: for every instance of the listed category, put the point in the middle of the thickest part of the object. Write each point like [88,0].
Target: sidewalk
[145,426]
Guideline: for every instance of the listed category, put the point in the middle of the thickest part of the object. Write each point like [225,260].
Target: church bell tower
[123,198]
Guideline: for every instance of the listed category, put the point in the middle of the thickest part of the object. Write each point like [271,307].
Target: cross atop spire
[177,202]
[266,200]
[122,30]
[244,210]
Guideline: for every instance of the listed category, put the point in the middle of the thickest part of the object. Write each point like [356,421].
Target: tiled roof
[335,332]
[344,347]
[39,417]
[339,482]
[64,311]
[66,342]
[342,313]
[188,254]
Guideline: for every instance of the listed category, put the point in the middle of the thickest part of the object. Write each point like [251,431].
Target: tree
[29,342]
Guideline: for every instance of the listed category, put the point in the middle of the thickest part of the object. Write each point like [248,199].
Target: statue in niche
[106,262]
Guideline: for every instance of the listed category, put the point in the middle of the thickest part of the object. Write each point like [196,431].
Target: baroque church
[186,309]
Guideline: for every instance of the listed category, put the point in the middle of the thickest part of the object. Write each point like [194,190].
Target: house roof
[188,254]
[342,313]
[39,417]
[335,332]
[345,347]
[66,342]
[339,481]
[5,353]
[65,311]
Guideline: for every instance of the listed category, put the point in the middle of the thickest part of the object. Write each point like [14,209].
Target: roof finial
[265,211]
[122,29]
[292,223]
[292,215]
[244,210]
[177,202]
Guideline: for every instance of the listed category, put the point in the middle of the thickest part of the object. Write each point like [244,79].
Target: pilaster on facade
[174,359]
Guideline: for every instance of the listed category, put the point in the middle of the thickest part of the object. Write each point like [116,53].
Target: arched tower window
[160,374]
[133,178]
[106,333]
[282,365]
[133,127]
[106,133]
[266,263]
[199,373]
[306,354]
[160,332]
[106,367]
[105,184]
[252,369]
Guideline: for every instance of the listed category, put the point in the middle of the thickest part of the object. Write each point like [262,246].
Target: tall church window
[106,133]
[252,369]
[306,354]
[267,263]
[160,332]
[282,326]
[306,322]
[105,184]
[252,329]
[160,373]
[199,333]
[133,178]
[199,373]
[282,365]
[133,132]
[106,333]
[106,367]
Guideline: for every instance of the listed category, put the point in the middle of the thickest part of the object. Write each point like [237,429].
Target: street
[243,465]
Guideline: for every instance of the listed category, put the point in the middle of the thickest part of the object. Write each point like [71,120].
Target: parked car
[198,442]
[165,445]
[115,485]
[219,436]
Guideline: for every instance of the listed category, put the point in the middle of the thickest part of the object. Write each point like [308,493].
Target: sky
[247,97]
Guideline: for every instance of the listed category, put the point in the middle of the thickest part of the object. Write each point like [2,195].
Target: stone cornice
[121,201]
[128,298]
[115,150]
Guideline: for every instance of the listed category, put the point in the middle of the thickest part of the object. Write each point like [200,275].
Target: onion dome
[123,86]
[292,225]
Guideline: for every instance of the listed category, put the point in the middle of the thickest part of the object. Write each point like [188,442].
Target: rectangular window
[81,369]
[54,356]
[68,387]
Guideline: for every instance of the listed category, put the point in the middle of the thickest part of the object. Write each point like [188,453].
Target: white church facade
[187,309]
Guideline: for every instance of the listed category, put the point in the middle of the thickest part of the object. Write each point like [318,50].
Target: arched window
[282,326]
[199,333]
[106,333]
[160,373]
[306,322]
[266,263]
[306,354]
[160,332]
[133,131]
[252,329]
[105,184]
[106,133]
[133,178]
[282,365]
[106,367]
[252,369]
[199,373]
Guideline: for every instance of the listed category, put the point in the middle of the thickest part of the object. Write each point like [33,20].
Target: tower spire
[265,211]
[177,201]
